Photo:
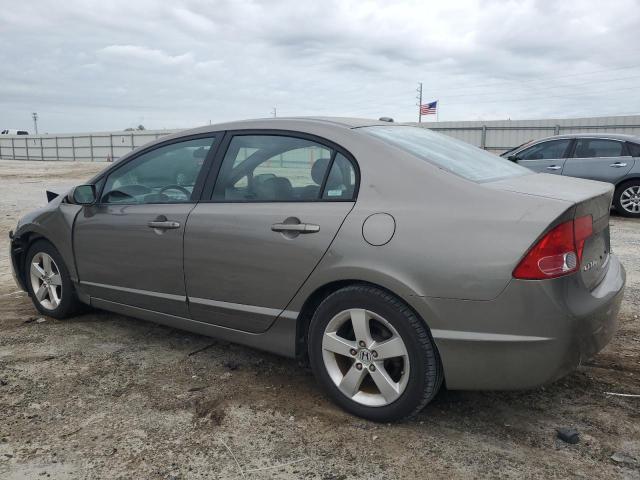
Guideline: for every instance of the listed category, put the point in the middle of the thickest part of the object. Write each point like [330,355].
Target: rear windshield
[448,153]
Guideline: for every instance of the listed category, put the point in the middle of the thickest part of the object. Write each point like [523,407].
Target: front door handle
[163,224]
[295,227]
[554,167]
[618,165]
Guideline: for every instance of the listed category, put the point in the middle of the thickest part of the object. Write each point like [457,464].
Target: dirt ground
[105,396]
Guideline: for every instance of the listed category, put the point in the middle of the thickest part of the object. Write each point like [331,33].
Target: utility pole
[274,112]
[35,121]
[419,97]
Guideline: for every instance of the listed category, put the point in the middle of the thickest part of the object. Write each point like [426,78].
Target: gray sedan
[395,259]
[613,158]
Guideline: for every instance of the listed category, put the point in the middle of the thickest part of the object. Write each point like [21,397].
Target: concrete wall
[495,135]
[88,147]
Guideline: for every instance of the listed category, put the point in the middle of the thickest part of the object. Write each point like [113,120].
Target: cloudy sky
[111,64]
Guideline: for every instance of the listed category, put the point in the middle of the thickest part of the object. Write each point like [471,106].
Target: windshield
[448,153]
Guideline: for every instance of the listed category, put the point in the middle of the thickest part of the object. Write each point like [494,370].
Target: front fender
[53,223]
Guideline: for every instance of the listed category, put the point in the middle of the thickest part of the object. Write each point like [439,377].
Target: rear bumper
[534,332]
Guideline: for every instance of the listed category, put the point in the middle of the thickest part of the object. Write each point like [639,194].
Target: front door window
[545,150]
[166,174]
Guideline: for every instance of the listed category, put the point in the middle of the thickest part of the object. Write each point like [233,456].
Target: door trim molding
[239,307]
[148,293]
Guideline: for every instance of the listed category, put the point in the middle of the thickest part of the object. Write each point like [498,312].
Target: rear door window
[281,168]
[598,147]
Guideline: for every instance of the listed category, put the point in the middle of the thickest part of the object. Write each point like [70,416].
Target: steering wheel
[183,190]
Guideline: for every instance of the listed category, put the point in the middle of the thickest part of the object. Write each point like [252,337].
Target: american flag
[429,108]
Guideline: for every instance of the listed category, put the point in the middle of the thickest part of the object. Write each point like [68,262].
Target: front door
[277,205]
[545,157]
[599,159]
[129,244]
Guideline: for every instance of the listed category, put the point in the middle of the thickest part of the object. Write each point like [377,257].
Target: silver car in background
[612,158]
[394,258]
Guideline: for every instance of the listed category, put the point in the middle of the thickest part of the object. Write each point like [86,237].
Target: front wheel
[374,356]
[48,281]
[627,199]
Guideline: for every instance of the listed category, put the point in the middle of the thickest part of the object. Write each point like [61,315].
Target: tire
[627,198]
[332,341]
[59,299]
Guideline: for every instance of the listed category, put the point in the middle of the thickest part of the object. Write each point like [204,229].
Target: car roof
[613,136]
[288,122]
[321,126]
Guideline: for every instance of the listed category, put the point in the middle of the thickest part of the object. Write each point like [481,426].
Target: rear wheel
[373,355]
[627,199]
[48,281]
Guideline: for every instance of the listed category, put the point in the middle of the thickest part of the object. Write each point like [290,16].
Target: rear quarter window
[448,153]
[634,149]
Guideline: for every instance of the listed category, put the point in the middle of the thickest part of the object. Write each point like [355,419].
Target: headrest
[274,188]
[319,169]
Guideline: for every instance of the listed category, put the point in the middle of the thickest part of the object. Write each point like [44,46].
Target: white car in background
[11,131]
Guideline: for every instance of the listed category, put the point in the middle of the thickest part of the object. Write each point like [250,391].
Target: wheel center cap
[365,356]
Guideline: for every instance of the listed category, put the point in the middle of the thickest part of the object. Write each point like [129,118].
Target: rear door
[545,157]
[607,160]
[275,208]
[129,245]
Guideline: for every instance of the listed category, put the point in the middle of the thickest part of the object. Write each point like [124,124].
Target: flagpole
[438,110]
[419,89]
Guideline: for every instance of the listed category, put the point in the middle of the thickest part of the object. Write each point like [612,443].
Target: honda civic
[397,260]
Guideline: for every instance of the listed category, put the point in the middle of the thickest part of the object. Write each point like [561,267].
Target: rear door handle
[554,167]
[295,227]
[163,225]
[618,165]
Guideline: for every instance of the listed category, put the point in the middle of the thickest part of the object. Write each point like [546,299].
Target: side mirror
[513,158]
[83,195]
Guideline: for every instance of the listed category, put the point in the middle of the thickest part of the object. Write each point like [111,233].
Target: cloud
[142,57]
[84,64]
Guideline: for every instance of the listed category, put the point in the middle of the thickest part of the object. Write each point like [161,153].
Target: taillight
[558,253]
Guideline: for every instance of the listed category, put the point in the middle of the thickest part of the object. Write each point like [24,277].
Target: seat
[274,188]
[583,151]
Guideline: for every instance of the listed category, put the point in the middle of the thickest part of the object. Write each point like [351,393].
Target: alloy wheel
[46,281]
[630,199]
[365,357]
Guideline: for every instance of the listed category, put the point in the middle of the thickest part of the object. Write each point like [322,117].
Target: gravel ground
[105,396]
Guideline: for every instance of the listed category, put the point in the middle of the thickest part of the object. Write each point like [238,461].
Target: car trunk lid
[588,198]
[595,256]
